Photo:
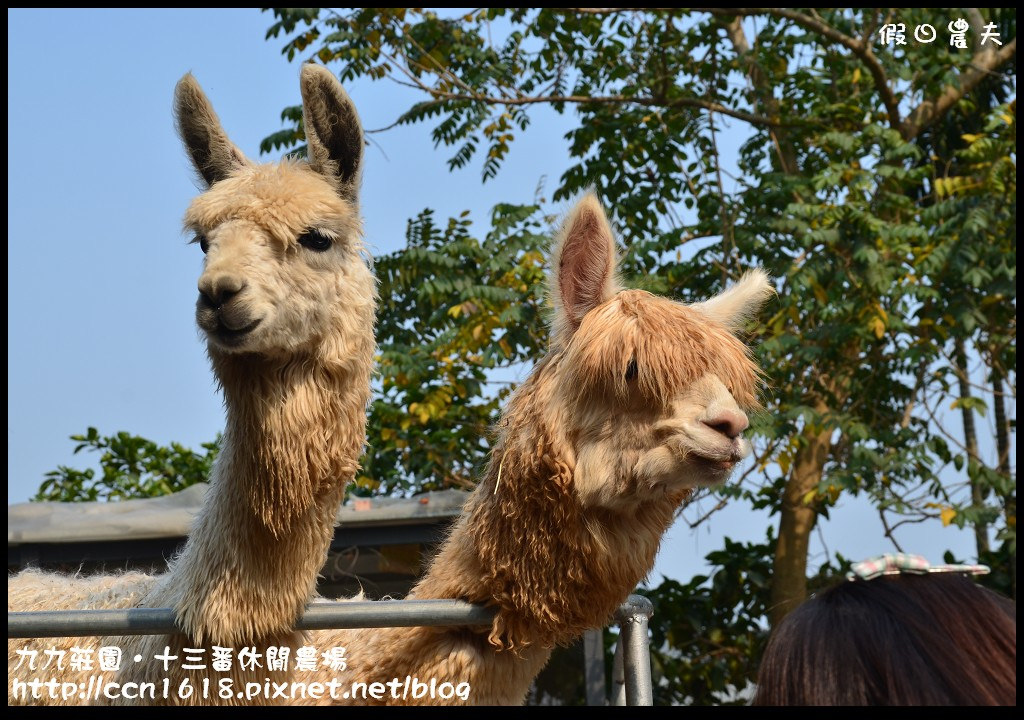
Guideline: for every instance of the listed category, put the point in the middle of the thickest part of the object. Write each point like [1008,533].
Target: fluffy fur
[638,401]
[289,330]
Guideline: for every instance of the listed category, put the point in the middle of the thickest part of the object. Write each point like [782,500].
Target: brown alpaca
[637,402]
[286,302]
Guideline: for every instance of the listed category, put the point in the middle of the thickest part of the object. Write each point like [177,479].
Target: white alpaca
[286,302]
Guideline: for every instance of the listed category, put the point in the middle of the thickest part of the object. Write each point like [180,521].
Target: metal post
[632,617]
[593,666]
[618,677]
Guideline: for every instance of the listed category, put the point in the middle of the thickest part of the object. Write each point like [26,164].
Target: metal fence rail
[632,617]
[318,616]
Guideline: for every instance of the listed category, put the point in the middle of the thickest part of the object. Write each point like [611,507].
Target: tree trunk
[971,443]
[797,519]
[1003,448]
[762,95]
[1002,426]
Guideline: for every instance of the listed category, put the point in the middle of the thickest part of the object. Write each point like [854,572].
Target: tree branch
[761,91]
[856,46]
[610,11]
[888,530]
[983,63]
[927,112]
[445,96]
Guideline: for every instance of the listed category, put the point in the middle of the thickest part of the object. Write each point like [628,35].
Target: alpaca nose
[215,290]
[727,422]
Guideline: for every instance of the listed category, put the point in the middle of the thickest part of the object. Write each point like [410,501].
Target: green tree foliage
[973,224]
[130,467]
[707,634]
[456,311]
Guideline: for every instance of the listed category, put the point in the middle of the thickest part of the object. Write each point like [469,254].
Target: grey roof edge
[172,516]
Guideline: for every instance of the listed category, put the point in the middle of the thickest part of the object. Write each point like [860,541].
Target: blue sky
[102,282]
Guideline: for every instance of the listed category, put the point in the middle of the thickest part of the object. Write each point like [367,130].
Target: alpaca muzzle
[228,325]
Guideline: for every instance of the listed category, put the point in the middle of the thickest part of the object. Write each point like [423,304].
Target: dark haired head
[935,639]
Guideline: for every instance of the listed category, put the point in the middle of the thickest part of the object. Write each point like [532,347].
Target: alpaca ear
[583,265]
[213,155]
[333,131]
[733,307]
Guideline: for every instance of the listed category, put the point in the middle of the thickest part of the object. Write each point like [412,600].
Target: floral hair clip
[906,564]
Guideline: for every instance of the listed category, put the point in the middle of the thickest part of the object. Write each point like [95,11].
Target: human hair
[935,639]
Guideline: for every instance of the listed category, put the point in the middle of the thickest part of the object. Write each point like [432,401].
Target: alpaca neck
[294,434]
[551,571]
[590,567]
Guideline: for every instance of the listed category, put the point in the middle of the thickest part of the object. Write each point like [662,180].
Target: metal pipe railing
[618,676]
[318,616]
[632,617]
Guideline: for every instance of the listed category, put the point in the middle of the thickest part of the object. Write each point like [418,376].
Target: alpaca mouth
[716,465]
[231,337]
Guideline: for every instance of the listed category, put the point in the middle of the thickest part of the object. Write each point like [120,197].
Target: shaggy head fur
[639,401]
[282,242]
[648,394]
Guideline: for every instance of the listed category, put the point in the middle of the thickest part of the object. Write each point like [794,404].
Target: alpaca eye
[631,370]
[315,240]
[204,244]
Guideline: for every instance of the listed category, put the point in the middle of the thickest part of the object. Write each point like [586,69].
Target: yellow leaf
[386,433]
[785,460]
[947,514]
[877,326]
[454,310]
[856,75]
[809,496]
